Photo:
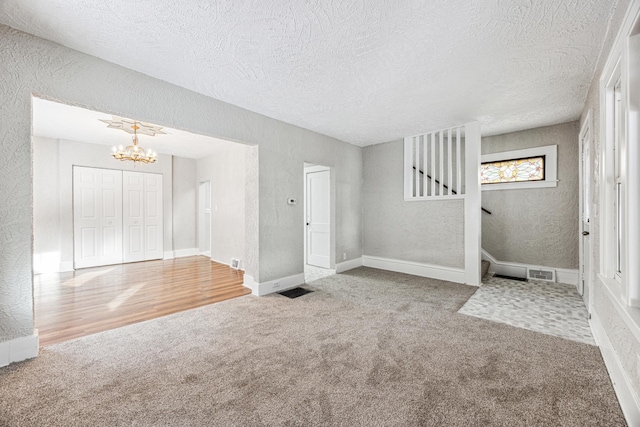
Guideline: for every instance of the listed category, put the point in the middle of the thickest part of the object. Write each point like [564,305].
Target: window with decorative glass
[527,168]
[513,170]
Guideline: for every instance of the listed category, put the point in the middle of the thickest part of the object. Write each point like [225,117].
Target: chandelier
[134,153]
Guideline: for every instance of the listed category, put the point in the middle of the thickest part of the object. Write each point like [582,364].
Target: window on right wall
[519,169]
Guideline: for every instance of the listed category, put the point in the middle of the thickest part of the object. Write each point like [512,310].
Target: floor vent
[540,274]
[502,276]
[295,292]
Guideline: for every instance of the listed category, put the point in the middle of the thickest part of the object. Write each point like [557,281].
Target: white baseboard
[19,349]
[248,282]
[168,255]
[621,382]
[272,286]
[415,268]
[205,253]
[66,266]
[566,275]
[516,269]
[180,253]
[348,265]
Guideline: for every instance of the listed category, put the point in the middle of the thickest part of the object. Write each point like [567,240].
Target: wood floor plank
[87,301]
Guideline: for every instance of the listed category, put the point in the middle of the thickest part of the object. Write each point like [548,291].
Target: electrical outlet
[276,284]
[344,256]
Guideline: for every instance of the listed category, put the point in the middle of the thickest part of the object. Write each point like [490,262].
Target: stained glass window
[515,170]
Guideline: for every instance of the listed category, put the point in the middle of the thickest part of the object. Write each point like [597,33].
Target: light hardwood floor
[90,300]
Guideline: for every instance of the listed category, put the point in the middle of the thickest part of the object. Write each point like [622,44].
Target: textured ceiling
[361,71]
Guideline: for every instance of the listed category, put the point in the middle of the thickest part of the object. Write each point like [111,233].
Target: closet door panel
[133,209]
[97,212]
[153,221]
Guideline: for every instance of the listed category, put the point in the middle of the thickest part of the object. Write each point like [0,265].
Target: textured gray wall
[46,206]
[30,65]
[225,169]
[536,226]
[429,232]
[185,187]
[624,342]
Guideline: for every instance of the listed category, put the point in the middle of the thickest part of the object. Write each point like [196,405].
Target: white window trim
[620,64]
[550,167]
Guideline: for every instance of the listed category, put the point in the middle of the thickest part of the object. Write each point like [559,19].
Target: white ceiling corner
[363,72]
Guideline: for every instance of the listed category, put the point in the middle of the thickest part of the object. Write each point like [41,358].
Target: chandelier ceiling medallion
[134,153]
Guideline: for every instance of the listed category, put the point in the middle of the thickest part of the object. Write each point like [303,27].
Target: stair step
[484,267]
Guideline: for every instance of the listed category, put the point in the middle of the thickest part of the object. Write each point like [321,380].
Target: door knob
[585,233]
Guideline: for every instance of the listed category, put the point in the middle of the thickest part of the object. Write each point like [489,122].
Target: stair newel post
[472,205]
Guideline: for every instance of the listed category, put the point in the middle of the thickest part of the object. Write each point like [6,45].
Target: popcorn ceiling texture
[30,65]
[363,72]
[537,226]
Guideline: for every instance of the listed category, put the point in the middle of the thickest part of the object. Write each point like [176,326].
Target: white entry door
[318,214]
[153,235]
[97,207]
[204,218]
[585,191]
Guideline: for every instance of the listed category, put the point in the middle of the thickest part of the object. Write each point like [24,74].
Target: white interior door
[318,214]
[204,218]
[133,216]
[97,212]
[153,223]
[585,190]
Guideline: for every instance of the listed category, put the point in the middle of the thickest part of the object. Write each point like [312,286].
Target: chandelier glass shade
[134,153]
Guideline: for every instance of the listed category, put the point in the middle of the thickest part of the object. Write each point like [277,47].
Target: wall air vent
[546,275]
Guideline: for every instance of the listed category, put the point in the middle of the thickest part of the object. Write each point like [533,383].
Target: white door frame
[585,266]
[312,167]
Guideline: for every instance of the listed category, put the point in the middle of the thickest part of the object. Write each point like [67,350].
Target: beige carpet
[367,348]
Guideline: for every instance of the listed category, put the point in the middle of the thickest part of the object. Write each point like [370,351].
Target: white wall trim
[272,286]
[348,265]
[248,282]
[567,275]
[228,264]
[19,349]
[621,381]
[472,206]
[168,255]
[180,253]
[516,269]
[439,272]
[66,266]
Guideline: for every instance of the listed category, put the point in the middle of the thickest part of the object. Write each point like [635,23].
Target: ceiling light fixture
[134,153]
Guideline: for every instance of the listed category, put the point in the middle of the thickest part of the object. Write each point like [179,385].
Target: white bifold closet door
[97,216]
[153,235]
[142,207]
[117,216]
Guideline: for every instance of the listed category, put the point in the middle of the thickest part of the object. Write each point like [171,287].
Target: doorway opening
[319,255]
[114,241]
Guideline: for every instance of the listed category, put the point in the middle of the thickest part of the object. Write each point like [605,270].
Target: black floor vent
[502,276]
[295,292]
